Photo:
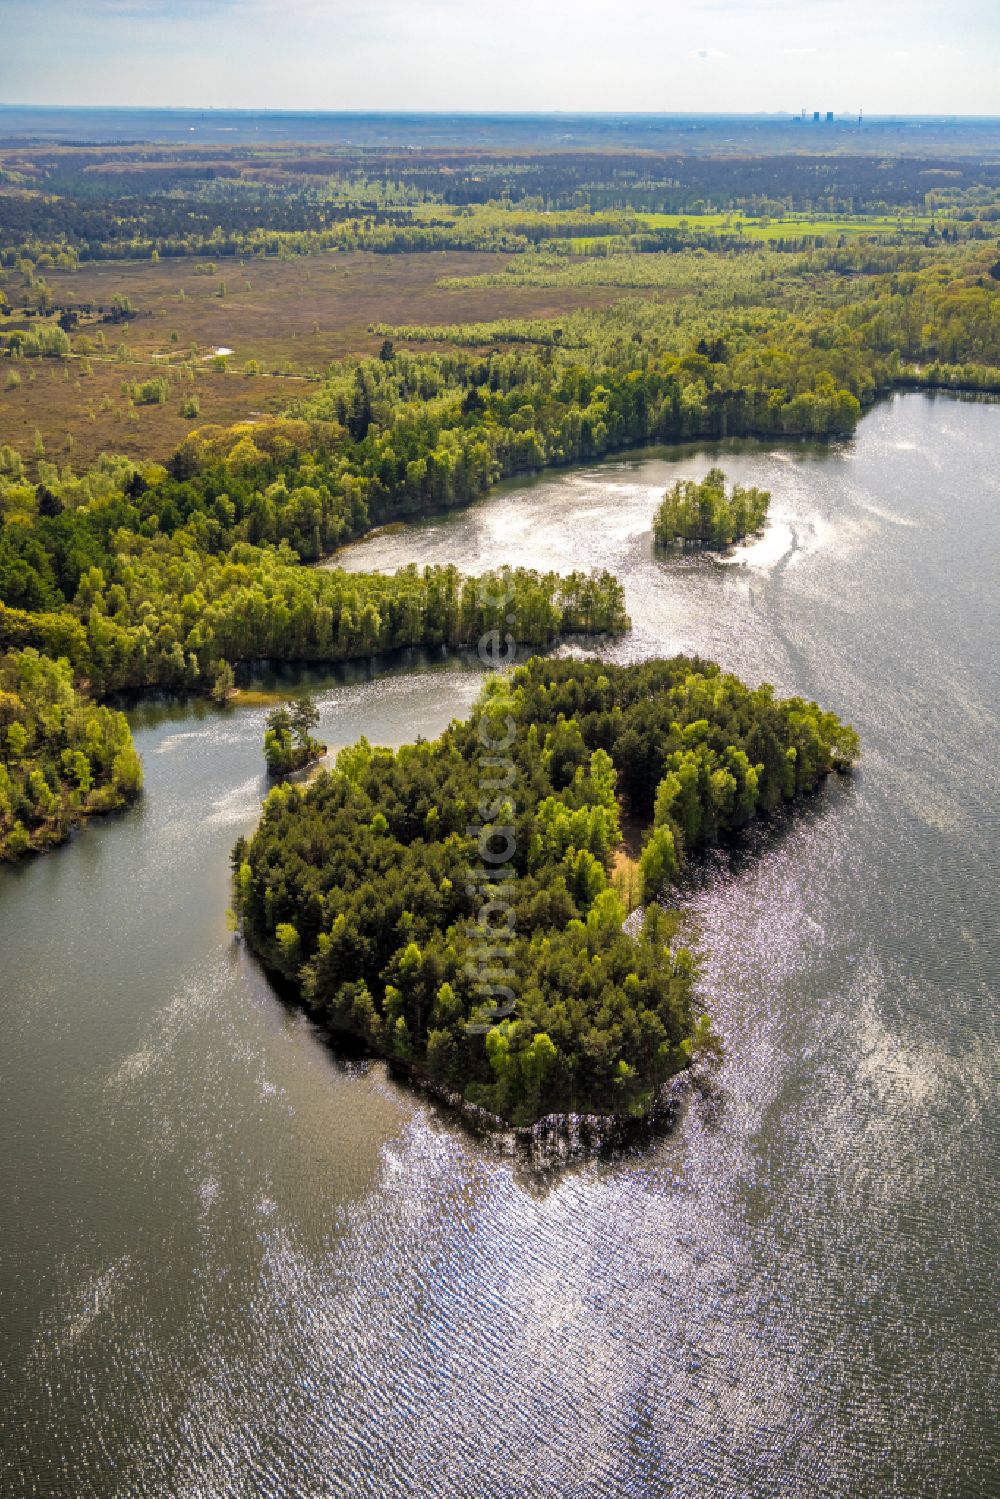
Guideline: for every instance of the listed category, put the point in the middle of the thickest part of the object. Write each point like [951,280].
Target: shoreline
[558,1139]
[552,1140]
[900,384]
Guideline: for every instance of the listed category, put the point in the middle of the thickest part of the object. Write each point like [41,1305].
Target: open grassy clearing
[762,231]
[792,225]
[293,317]
[80,415]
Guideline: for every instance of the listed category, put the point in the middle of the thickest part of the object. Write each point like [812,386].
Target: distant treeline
[64,206]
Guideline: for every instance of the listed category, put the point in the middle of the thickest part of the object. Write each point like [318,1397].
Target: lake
[236,1263]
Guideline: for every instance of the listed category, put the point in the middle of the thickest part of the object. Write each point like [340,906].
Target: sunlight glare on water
[236,1263]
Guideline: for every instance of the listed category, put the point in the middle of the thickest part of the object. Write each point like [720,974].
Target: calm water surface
[235,1264]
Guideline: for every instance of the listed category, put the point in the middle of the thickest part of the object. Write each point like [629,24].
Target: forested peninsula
[161,619]
[62,756]
[453,904]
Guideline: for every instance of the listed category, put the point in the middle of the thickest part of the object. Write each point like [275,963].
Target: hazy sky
[913,56]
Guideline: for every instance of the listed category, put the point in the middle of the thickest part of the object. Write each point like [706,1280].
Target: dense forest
[165,569]
[171,574]
[166,616]
[62,756]
[701,513]
[74,205]
[406,893]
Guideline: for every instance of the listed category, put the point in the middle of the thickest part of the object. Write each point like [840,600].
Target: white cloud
[547,54]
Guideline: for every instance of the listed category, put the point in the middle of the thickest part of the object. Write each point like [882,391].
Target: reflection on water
[236,1263]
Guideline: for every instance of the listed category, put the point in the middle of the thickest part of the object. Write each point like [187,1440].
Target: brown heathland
[291,316]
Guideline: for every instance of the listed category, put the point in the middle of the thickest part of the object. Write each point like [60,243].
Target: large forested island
[454,904]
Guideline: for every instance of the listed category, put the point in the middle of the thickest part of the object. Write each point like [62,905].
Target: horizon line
[478,114]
